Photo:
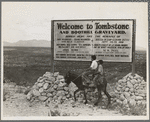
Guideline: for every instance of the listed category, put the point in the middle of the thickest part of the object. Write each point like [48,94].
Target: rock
[68,96]
[45,86]
[48,81]
[139,98]
[48,74]
[55,97]
[59,77]
[49,95]
[62,80]
[64,98]
[56,74]
[42,98]
[57,82]
[55,86]
[119,101]
[142,91]
[125,102]
[40,79]
[52,79]
[129,85]
[127,95]
[133,81]
[127,89]
[132,102]
[27,91]
[122,98]
[40,84]
[29,96]
[41,90]
[136,85]
[59,98]
[139,102]
[118,89]
[60,93]
[133,97]
[54,93]
[131,90]
[142,95]
[62,85]
[43,94]
[36,92]
[66,88]
[60,88]
[51,89]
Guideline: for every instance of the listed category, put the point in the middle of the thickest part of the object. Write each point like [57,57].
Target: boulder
[122,98]
[60,93]
[125,102]
[132,102]
[29,96]
[59,77]
[41,90]
[56,74]
[129,84]
[51,89]
[66,88]
[133,81]
[40,79]
[43,94]
[42,98]
[40,84]
[36,92]
[46,85]
[126,89]
[49,95]
[132,90]
[127,95]
[55,86]
[139,98]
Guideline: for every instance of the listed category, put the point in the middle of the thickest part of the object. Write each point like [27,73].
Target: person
[91,70]
[99,75]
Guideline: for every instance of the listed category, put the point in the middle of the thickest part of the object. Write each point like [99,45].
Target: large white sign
[77,40]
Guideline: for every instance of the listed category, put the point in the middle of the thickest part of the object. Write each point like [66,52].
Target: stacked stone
[51,87]
[130,90]
[91,95]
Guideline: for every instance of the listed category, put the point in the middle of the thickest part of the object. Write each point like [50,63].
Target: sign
[77,40]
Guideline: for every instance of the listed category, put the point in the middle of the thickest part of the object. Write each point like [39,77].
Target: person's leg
[85,75]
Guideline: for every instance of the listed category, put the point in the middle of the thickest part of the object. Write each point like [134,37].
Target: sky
[32,20]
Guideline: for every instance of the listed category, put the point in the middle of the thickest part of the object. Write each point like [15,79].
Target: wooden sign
[76,40]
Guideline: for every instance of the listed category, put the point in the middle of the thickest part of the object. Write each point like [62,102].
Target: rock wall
[50,87]
[130,90]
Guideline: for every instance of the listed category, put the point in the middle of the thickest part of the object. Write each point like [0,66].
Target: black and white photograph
[74,61]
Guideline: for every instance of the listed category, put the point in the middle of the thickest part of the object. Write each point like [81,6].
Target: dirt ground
[16,104]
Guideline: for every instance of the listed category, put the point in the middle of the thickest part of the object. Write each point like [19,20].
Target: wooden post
[133,48]
[52,46]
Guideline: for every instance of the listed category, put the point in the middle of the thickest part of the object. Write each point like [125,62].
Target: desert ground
[24,65]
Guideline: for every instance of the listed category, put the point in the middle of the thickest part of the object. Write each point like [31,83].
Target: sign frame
[133,39]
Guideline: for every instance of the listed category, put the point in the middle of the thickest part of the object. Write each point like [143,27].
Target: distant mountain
[29,43]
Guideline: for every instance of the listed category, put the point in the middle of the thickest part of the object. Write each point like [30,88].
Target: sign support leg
[133,49]
[52,46]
